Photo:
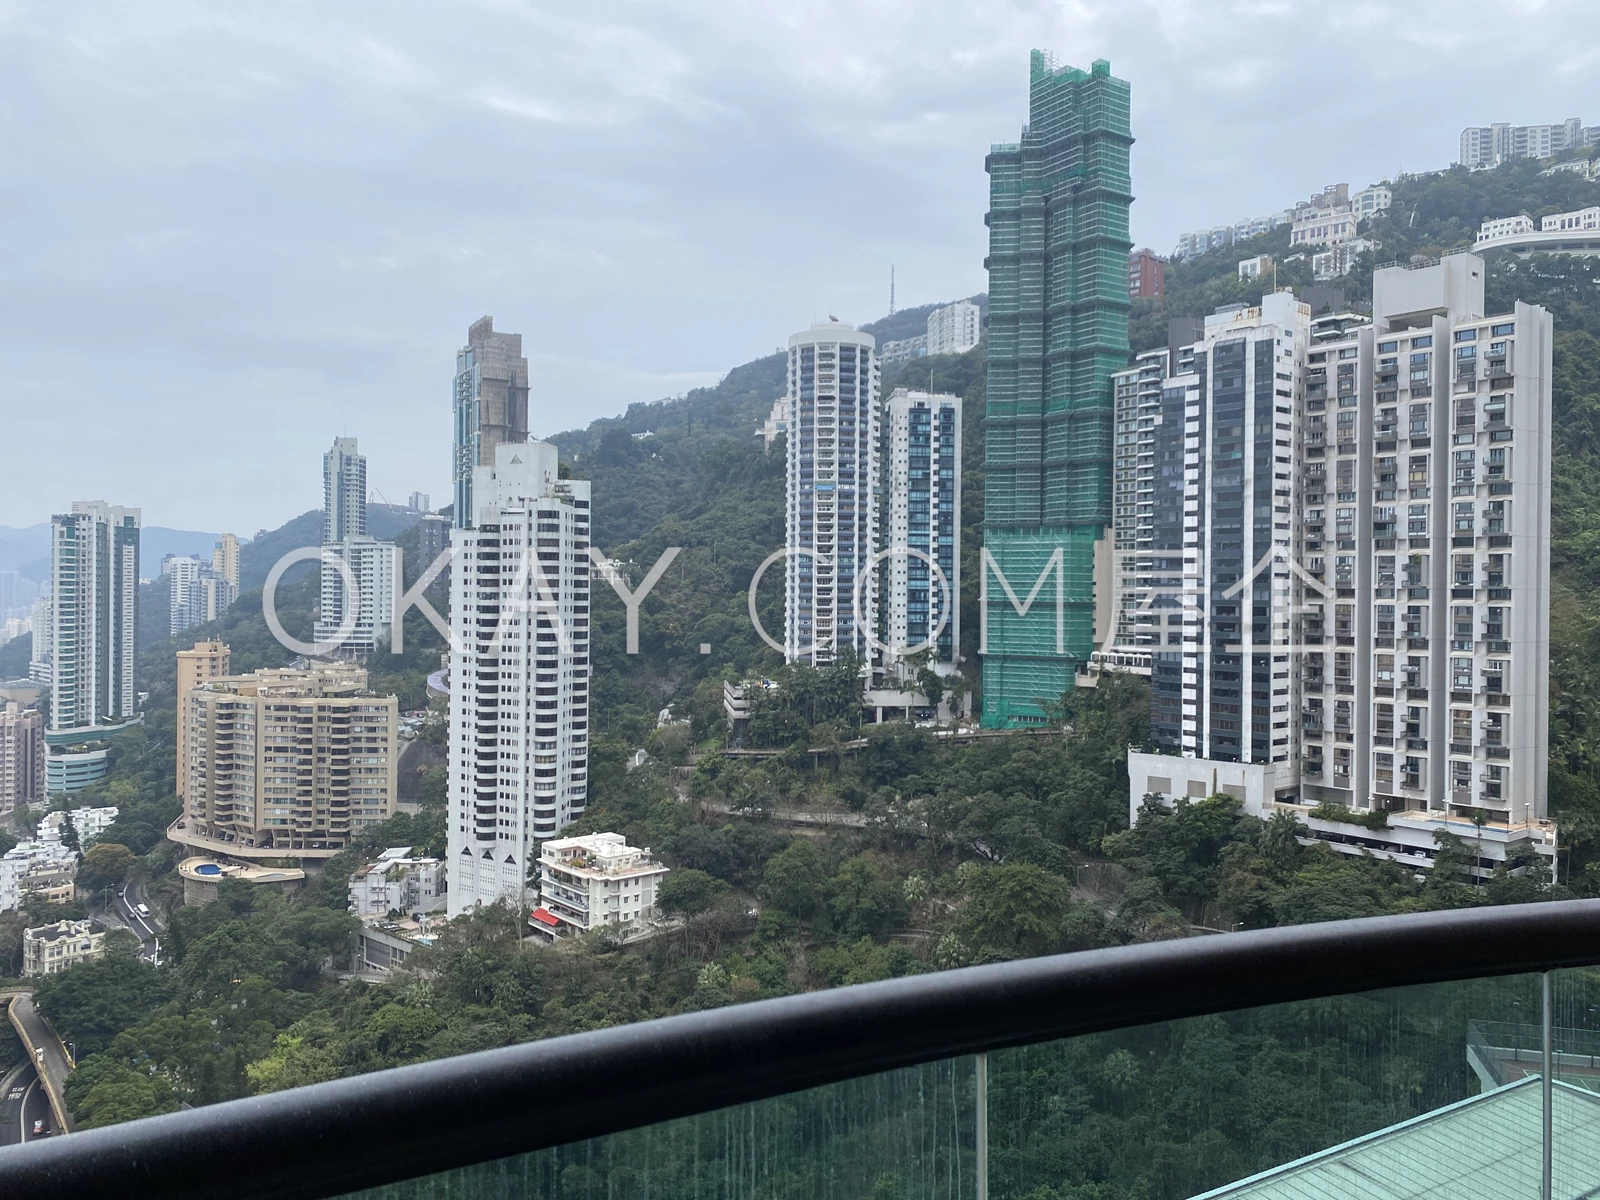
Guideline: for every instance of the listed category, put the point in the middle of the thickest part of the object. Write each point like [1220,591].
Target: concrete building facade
[1323,227]
[921,527]
[1484,146]
[201,875]
[22,773]
[225,560]
[955,328]
[831,507]
[1147,275]
[94,588]
[358,575]
[489,407]
[593,882]
[519,685]
[205,660]
[197,593]
[286,762]
[1582,220]
[902,350]
[353,622]
[51,949]
[43,623]
[433,539]
[1338,261]
[41,868]
[344,492]
[88,823]
[398,881]
[1377,638]
[1370,201]
[1255,268]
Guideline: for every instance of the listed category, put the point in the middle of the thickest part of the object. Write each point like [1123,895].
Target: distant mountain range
[27,551]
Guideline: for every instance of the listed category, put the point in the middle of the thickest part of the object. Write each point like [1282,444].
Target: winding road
[146,928]
[791,816]
[50,1062]
[22,1103]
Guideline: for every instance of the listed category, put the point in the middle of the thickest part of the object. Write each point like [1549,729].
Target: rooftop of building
[1489,1145]
[405,852]
[61,929]
[53,820]
[209,870]
[330,679]
[394,856]
[42,848]
[832,330]
[424,931]
[919,396]
[599,854]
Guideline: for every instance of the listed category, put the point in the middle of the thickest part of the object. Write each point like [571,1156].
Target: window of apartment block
[1386,576]
[1383,626]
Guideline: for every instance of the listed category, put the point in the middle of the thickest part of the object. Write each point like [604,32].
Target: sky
[235,232]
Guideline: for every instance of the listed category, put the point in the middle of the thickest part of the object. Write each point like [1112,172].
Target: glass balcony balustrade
[1428,1055]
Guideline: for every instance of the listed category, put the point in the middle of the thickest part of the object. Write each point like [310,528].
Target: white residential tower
[519,680]
[830,597]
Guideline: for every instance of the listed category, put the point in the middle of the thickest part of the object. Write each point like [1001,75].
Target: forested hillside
[702,481]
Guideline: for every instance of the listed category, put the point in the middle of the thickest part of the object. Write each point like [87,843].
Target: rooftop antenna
[891,289]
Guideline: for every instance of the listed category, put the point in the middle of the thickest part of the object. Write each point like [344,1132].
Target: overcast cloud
[234,232]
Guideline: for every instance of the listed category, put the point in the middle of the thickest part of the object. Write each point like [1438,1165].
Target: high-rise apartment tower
[43,621]
[831,587]
[489,406]
[94,585]
[1346,598]
[921,528]
[344,492]
[519,682]
[357,624]
[22,775]
[1058,330]
[197,593]
[206,660]
[225,560]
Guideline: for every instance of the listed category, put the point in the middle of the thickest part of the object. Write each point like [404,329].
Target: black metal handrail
[336,1137]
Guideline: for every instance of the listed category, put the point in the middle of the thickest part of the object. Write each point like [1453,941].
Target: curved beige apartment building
[285,762]
[206,661]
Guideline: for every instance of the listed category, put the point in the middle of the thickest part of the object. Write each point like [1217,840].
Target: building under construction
[1058,329]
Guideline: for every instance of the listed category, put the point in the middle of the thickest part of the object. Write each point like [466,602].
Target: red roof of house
[544,916]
